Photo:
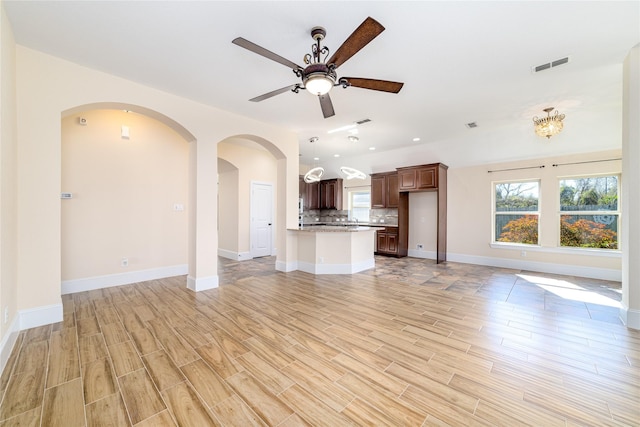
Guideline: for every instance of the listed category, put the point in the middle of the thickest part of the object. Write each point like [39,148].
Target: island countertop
[333,228]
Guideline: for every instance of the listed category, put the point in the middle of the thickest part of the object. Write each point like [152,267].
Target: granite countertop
[333,228]
[348,224]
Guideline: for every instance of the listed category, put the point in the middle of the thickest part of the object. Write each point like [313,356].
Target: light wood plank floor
[408,343]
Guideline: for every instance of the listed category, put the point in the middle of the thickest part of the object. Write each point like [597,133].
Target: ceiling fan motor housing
[318,33]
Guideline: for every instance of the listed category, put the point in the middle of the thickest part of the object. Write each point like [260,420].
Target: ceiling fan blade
[272,93]
[367,31]
[326,105]
[264,52]
[373,84]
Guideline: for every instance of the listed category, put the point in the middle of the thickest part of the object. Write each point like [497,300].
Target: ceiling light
[313,175]
[336,155]
[318,83]
[372,148]
[351,173]
[416,139]
[353,138]
[550,125]
[340,129]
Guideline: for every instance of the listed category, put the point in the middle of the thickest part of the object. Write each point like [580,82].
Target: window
[359,204]
[589,215]
[516,212]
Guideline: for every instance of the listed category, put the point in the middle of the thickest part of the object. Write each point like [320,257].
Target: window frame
[560,213]
[495,212]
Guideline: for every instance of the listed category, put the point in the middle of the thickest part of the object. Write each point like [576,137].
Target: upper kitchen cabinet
[421,178]
[331,194]
[312,199]
[384,190]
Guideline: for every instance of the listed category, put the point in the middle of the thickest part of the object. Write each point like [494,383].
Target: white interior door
[261,219]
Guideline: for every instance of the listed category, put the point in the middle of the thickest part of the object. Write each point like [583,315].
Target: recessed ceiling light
[372,148]
[336,155]
[316,158]
[416,139]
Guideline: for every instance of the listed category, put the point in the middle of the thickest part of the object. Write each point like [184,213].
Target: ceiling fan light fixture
[318,83]
[550,125]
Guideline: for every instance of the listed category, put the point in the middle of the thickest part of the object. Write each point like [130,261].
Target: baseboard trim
[236,256]
[45,315]
[542,267]
[202,283]
[286,267]
[631,318]
[8,342]
[308,267]
[416,253]
[107,281]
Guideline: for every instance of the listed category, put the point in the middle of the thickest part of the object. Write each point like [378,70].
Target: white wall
[49,88]
[8,191]
[227,209]
[124,192]
[470,220]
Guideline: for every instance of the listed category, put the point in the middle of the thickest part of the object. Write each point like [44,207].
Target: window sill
[607,253]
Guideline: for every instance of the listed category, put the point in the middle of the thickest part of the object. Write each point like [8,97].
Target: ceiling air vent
[363,121]
[551,64]
[471,125]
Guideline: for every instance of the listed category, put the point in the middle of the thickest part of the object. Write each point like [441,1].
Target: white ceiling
[460,61]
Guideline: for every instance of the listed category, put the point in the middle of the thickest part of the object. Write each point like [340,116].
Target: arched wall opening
[255,160]
[126,175]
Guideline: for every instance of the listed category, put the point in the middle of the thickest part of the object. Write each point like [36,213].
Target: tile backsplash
[382,216]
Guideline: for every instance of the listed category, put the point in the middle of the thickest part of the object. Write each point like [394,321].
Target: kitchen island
[335,249]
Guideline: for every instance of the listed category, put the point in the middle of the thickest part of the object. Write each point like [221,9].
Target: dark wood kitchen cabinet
[331,194]
[387,241]
[423,177]
[312,199]
[431,177]
[325,194]
[384,190]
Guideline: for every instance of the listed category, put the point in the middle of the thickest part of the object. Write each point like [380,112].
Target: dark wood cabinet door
[407,180]
[378,191]
[392,193]
[427,178]
[381,236]
[392,243]
[331,194]
[313,196]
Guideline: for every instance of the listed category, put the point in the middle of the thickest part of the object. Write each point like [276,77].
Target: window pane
[361,214]
[359,205]
[517,197]
[361,199]
[589,194]
[517,229]
[589,231]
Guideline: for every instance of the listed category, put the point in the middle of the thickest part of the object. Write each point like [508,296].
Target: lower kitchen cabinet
[387,241]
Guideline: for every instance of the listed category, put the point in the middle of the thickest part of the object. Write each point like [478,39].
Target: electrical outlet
[124,262]
[6,314]
[419,246]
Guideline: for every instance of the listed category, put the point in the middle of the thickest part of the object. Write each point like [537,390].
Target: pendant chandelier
[349,172]
[314,174]
[550,125]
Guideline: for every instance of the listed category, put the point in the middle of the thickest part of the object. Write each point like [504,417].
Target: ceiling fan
[319,75]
